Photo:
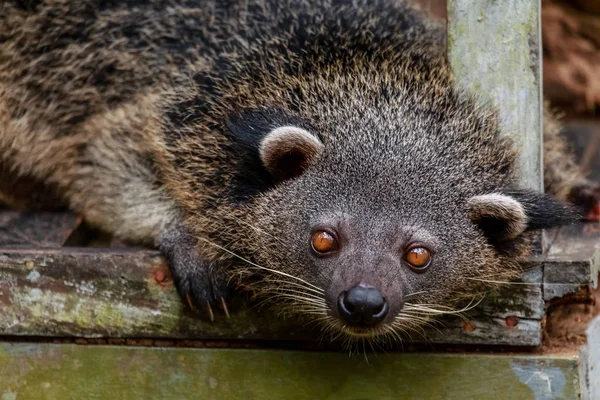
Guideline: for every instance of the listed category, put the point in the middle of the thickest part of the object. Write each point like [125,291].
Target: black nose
[362,305]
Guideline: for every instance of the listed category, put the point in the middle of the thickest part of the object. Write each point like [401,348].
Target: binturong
[318,151]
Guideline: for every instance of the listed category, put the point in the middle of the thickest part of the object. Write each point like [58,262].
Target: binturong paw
[586,196]
[200,282]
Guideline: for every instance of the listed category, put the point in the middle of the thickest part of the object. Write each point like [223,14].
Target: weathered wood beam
[511,315]
[573,261]
[589,365]
[46,371]
[127,293]
[96,293]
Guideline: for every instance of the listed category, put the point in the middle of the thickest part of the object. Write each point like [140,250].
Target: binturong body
[320,147]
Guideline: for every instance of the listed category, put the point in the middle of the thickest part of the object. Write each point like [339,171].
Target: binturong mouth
[362,312]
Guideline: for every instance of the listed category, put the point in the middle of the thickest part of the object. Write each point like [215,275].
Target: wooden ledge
[46,371]
[48,289]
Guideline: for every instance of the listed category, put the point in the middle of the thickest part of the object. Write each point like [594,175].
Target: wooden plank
[89,293]
[36,229]
[115,293]
[589,370]
[494,50]
[46,371]
[573,261]
[83,292]
[510,316]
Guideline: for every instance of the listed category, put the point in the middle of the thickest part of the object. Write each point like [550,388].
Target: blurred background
[571,69]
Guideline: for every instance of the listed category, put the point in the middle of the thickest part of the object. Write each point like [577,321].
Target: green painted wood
[46,371]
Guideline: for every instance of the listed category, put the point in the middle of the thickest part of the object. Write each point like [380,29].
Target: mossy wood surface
[46,371]
[53,290]
[91,293]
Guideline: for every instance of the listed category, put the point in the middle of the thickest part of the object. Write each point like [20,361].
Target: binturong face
[377,224]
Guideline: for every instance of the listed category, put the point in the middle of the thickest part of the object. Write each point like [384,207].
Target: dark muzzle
[362,305]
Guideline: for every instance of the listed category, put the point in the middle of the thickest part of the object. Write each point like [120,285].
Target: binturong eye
[418,258]
[323,242]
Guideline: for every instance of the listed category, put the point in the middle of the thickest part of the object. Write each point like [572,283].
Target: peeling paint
[35,294]
[546,384]
[213,382]
[33,276]
[8,396]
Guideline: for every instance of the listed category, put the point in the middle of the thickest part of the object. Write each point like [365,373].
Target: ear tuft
[544,211]
[500,217]
[504,216]
[288,150]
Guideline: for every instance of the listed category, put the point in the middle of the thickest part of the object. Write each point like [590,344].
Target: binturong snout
[362,306]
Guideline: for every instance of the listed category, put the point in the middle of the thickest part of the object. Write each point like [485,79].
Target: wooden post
[589,364]
[494,48]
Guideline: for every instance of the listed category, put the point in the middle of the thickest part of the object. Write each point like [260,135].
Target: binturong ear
[504,216]
[288,150]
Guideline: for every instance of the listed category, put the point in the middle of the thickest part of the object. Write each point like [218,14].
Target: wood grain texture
[573,260]
[91,293]
[494,49]
[95,293]
[127,293]
[45,371]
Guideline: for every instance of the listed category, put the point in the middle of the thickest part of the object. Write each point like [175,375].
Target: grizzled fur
[148,118]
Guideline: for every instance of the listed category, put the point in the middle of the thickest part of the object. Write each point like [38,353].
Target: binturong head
[384,213]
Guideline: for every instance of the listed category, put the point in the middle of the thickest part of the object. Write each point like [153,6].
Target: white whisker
[320,292]
[259,266]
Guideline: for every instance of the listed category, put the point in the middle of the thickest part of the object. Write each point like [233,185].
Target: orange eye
[323,242]
[418,258]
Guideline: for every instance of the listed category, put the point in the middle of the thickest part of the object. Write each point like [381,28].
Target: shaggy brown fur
[150,118]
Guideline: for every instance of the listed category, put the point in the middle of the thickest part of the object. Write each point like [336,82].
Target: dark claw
[189,301]
[210,312]
[225,309]
[201,284]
